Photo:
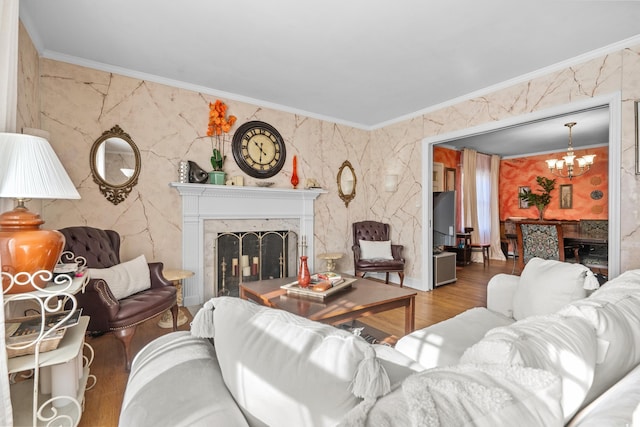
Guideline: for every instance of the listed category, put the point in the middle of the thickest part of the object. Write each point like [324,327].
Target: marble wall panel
[169,125]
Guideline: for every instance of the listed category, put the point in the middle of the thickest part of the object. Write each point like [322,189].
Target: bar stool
[513,239]
[484,247]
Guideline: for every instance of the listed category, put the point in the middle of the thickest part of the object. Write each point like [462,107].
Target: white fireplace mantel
[201,202]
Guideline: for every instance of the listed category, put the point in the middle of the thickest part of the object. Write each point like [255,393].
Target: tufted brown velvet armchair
[101,248]
[376,231]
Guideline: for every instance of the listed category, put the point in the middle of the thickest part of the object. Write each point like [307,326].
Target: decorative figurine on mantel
[197,174]
[311,183]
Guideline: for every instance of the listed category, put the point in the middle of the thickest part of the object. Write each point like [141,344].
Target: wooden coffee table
[363,298]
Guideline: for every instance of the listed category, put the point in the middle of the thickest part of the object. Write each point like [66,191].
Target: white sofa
[543,288]
[552,357]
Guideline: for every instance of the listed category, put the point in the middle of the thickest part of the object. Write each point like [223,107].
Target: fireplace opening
[247,256]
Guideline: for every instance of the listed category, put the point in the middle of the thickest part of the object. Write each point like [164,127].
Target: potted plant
[219,126]
[540,200]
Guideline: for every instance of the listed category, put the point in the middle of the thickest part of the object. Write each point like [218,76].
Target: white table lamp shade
[30,169]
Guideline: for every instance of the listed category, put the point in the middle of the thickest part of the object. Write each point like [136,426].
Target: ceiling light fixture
[584,163]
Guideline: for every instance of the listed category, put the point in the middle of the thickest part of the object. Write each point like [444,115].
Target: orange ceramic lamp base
[24,247]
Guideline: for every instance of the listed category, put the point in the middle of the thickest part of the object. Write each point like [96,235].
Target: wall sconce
[391,183]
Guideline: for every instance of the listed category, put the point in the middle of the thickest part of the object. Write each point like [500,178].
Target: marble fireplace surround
[202,203]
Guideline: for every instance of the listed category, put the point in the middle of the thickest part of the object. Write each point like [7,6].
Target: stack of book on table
[331,278]
[321,285]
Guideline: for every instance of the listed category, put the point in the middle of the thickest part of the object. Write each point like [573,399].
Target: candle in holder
[246,271]
[254,266]
[234,266]
[303,244]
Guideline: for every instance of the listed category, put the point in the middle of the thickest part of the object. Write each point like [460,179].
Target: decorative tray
[294,289]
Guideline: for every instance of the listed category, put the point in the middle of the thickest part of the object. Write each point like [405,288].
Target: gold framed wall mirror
[346,182]
[115,164]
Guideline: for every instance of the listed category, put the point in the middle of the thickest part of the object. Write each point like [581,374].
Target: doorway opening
[612,102]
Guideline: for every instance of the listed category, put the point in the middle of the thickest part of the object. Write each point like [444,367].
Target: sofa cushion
[126,278]
[565,346]
[615,315]
[175,381]
[478,395]
[547,285]
[443,343]
[285,370]
[617,406]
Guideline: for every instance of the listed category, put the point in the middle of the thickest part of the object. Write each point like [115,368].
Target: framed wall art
[566,196]
[449,179]
[438,177]
[523,204]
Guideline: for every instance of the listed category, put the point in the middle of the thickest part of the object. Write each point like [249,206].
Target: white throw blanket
[470,395]
[483,395]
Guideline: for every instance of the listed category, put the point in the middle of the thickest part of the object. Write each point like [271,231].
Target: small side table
[175,276]
[330,259]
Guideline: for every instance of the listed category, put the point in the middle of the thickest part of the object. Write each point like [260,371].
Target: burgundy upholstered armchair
[377,232]
[101,248]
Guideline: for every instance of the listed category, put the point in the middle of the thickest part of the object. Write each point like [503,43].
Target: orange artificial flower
[218,124]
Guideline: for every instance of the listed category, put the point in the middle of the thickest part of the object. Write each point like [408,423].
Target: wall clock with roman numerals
[258,149]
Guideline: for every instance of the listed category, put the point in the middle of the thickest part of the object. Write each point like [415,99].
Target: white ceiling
[542,136]
[365,63]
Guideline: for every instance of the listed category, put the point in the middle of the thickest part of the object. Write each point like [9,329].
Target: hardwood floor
[103,402]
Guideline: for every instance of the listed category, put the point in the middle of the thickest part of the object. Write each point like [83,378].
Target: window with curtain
[481,207]
[483,196]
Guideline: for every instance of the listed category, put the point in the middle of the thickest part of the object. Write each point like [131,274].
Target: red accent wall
[523,172]
[451,159]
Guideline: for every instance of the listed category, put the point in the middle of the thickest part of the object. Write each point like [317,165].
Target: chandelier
[556,166]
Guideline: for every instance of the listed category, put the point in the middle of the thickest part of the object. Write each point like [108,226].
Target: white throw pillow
[565,346]
[375,249]
[546,286]
[442,344]
[285,370]
[126,278]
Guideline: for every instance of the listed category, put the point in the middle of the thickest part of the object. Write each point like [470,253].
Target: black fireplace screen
[254,255]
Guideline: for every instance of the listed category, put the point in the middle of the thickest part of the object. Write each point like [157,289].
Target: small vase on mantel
[294,173]
[304,278]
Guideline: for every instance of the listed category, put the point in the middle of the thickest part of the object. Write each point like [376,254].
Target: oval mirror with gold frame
[346,182]
[115,164]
